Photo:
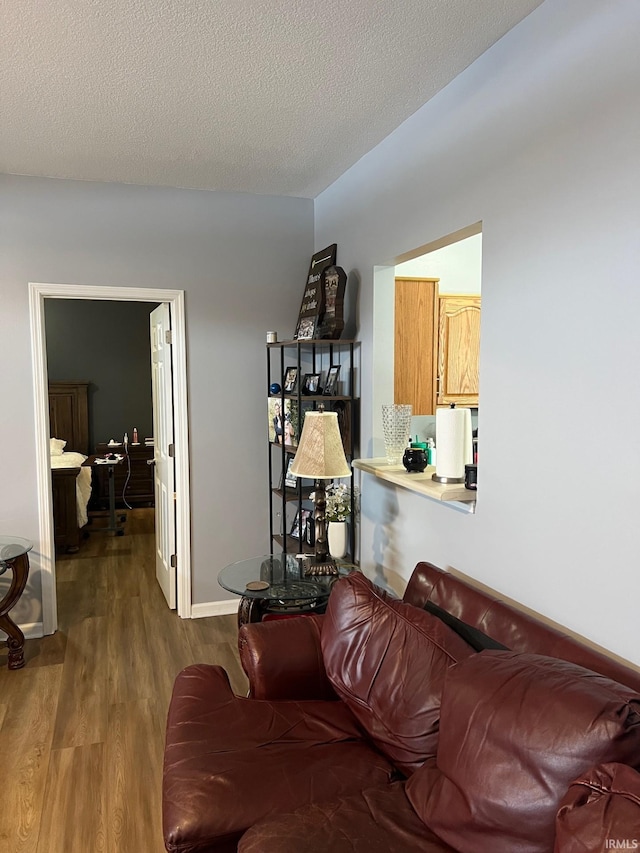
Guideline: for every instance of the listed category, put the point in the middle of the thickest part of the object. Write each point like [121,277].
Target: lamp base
[315,568]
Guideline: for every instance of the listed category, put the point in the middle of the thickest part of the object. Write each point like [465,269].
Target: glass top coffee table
[277,584]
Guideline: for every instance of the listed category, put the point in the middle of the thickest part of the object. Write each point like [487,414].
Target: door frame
[38,292]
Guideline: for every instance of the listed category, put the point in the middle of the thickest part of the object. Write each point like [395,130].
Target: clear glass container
[396,428]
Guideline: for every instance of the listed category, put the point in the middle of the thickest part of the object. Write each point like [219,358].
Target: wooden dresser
[139,491]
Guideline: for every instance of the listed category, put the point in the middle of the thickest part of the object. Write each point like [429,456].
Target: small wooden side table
[14,557]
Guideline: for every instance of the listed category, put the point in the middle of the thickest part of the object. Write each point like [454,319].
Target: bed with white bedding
[83,480]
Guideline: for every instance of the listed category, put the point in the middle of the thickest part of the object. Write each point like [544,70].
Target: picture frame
[311,383]
[282,423]
[289,480]
[290,380]
[306,329]
[331,383]
[310,529]
[299,526]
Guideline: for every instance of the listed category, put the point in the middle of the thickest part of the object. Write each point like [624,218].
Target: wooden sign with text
[312,307]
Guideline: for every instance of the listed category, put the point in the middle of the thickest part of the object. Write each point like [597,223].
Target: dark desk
[136,472]
[115,521]
[13,558]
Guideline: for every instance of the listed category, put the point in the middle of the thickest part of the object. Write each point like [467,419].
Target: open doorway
[100,408]
[175,302]
[105,343]
[453,265]
[437,331]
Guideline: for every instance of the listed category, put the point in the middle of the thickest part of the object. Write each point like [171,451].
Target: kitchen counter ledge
[450,495]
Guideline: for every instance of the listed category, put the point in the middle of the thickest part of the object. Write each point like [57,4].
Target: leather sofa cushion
[283,659]
[379,819]
[600,811]
[516,729]
[387,660]
[230,761]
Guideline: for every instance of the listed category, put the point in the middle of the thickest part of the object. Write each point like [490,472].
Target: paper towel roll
[454,447]
[468,438]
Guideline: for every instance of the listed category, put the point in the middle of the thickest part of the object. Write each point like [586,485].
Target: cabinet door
[416,312]
[458,350]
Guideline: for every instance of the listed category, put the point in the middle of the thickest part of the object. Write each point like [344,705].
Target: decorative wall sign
[312,307]
[334,280]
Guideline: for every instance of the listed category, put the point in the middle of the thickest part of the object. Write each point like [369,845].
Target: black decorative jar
[414,460]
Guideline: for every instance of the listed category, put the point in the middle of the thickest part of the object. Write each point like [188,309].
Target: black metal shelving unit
[308,356]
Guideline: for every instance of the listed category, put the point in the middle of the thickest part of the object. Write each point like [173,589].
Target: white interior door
[164,478]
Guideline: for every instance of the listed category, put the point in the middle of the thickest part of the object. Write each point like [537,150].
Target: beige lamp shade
[320,455]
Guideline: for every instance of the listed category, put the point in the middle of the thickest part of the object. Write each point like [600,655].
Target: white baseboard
[215,608]
[31,631]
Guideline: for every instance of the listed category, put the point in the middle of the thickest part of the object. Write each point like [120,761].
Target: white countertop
[451,494]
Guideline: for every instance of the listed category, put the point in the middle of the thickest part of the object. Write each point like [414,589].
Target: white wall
[458,266]
[539,140]
[242,261]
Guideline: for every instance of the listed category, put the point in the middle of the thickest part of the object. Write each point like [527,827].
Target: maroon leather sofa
[448,722]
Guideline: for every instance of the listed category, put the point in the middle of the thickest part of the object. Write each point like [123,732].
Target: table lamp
[320,456]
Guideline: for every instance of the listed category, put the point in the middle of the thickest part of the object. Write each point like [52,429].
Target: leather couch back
[516,629]
[388,662]
[515,731]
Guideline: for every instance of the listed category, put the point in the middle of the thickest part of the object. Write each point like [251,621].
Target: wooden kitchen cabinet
[436,346]
[458,350]
[415,343]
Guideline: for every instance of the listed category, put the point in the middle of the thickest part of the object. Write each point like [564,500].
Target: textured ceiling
[262,96]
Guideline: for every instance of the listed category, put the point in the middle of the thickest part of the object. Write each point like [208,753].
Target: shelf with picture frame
[333,367]
[287,488]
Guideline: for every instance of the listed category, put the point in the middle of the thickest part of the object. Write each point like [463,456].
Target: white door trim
[175,298]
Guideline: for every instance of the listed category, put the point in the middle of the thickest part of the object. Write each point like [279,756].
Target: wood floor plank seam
[82,725]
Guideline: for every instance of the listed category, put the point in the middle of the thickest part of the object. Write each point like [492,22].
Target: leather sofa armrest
[600,811]
[283,659]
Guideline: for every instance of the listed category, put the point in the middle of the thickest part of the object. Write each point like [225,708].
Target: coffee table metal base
[254,609]
[15,638]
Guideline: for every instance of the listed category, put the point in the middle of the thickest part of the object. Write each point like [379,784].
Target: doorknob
[151,461]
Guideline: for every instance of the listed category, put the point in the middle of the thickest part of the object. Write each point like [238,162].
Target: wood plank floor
[82,725]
